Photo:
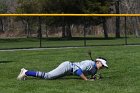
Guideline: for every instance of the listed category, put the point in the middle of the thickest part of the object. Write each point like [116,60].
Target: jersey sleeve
[79,72]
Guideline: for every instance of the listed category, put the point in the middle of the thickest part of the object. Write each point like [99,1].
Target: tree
[99,7]
[3,10]
[78,7]
[64,6]
[117,6]
[32,6]
[132,7]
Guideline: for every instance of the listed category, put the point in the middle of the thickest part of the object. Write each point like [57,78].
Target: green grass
[123,75]
[60,42]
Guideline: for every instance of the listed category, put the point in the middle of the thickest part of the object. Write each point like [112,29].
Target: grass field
[123,75]
[60,42]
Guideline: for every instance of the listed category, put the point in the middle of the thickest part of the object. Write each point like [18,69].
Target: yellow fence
[113,15]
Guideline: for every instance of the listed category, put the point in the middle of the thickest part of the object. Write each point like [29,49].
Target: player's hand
[97,77]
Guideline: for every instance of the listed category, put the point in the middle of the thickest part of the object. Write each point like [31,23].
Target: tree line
[65,23]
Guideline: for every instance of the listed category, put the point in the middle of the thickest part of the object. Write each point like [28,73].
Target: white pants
[63,69]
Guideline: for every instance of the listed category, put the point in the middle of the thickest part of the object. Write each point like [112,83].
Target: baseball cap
[103,61]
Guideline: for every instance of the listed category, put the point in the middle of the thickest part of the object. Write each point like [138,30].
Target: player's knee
[48,76]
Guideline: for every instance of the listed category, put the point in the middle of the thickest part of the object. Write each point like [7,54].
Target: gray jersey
[84,65]
[67,67]
[87,66]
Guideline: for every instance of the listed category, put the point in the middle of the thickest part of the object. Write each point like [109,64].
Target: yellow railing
[113,15]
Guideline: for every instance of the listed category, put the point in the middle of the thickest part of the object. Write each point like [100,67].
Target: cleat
[22,75]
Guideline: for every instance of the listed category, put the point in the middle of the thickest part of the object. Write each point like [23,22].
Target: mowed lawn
[12,43]
[123,75]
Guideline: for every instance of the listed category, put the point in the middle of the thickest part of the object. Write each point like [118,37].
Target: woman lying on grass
[82,69]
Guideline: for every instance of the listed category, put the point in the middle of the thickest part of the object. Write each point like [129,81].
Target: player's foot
[22,75]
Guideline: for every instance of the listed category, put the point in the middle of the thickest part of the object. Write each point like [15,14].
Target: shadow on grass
[77,38]
[5,62]
[61,78]
[6,40]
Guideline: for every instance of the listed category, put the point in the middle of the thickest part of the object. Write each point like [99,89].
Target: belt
[72,67]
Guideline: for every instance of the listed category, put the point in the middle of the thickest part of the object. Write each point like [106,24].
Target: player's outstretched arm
[80,73]
[83,77]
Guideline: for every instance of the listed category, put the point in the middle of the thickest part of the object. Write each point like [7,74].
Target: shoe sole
[21,76]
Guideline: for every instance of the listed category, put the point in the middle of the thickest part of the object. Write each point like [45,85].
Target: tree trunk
[27,29]
[46,30]
[63,28]
[117,19]
[136,29]
[28,32]
[117,27]
[2,25]
[39,32]
[105,27]
[25,26]
[63,31]
[68,31]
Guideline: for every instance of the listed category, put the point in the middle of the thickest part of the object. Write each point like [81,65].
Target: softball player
[82,69]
